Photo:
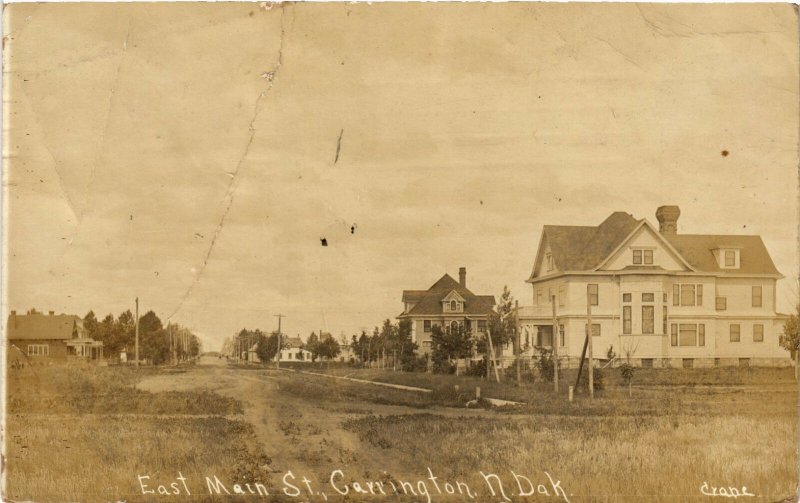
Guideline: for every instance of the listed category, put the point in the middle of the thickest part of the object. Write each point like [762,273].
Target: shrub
[476,369]
[442,366]
[544,362]
[414,363]
[598,378]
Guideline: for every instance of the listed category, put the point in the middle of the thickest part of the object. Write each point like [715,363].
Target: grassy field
[661,444]
[85,434]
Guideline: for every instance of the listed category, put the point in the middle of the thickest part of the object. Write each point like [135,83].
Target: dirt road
[296,433]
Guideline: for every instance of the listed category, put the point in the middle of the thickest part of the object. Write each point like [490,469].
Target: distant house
[346,353]
[295,351]
[50,337]
[669,299]
[448,303]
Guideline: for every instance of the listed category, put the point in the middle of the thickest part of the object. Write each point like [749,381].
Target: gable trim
[659,237]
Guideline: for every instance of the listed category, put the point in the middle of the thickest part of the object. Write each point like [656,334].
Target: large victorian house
[657,296]
[448,303]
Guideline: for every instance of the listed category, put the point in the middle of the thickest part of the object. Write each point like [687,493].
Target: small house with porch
[50,337]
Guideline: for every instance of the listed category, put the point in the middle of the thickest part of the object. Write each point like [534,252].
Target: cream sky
[187,153]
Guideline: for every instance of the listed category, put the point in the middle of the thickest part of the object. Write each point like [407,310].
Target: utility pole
[555,344]
[137,331]
[174,338]
[518,348]
[491,349]
[278,361]
[590,335]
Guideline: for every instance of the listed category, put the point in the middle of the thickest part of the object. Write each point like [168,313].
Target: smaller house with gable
[49,337]
[447,303]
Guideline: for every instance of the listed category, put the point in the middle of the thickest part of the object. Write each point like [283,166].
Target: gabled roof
[697,249]
[431,302]
[43,326]
[413,296]
[293,342]
[582,248]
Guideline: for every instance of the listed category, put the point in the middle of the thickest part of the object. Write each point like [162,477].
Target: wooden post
[137,331]
[570,393]
[555,344]
[477,392]
[491,349]
[518,347]
[589,347]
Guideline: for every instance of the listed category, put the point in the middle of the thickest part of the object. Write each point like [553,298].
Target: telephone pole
[137,331]
[278,361]
[589,335]
[555,344]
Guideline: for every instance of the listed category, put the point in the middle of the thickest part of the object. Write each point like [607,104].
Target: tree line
[157,343]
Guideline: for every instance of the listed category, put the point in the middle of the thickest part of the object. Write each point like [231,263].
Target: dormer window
[728,258]
[453,303]
[642,256]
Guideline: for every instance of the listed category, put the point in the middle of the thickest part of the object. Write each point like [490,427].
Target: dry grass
[85,434]
[614,458]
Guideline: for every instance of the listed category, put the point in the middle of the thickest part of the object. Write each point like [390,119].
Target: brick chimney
[462,276]
[668,219]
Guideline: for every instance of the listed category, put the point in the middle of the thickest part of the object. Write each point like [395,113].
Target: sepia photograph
[400,252]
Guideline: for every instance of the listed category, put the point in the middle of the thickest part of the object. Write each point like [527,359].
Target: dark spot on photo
[323,241]
[725,153]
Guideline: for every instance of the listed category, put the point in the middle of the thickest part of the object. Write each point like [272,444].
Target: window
[426,344]
[687,295]
[687,334]
[756,296]
[562,293]
[538,296]
[38,350]
[647,363]
[427,326]
[665,297]
[549,260]
[735,335]
[482,326]
[730,258]
[626,319]
[758,332]
[641,256]
[595,329]
[648,297]
[722,303]
[453,326]
[594,296]
[626,297]
[453,305]
[561,335]
[648,319]
[664,324]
